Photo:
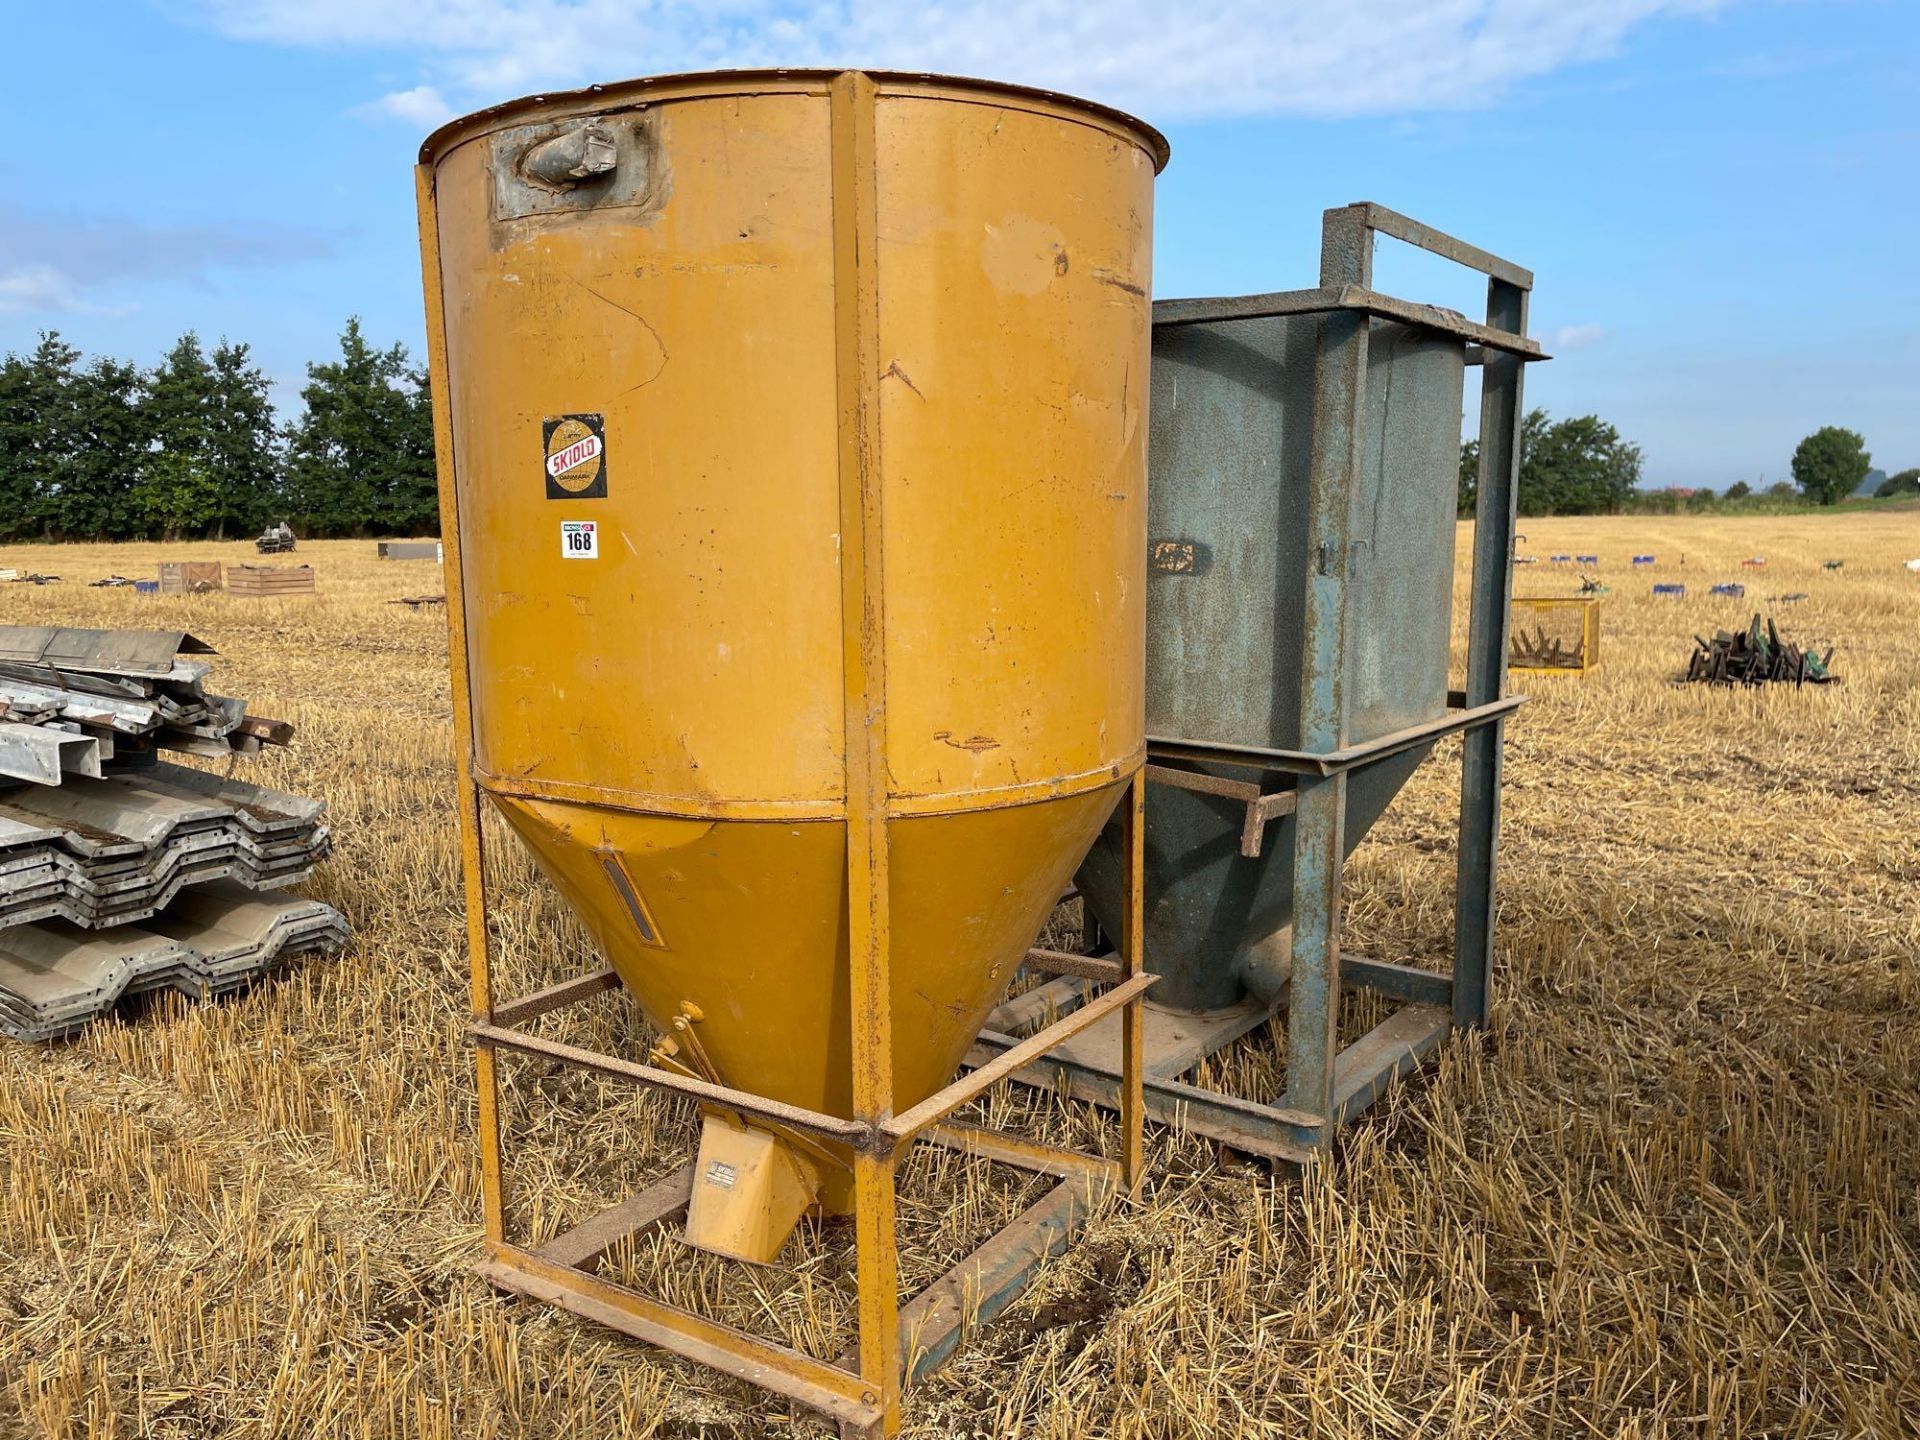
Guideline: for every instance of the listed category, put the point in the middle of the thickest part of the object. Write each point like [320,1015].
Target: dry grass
[1675,1192]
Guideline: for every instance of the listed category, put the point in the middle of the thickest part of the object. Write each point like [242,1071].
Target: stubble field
[1675,1191]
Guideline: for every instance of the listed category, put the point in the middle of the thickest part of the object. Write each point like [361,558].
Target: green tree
[1906,482]
[178,493]
[1579,466]
[412,505]
[243,451]
[179,415]
[1739,490]
[92,495]
[1568,467]
[1533,429]
[214,415]
[1829,464]
[19,424]
[360,457]
[37,432]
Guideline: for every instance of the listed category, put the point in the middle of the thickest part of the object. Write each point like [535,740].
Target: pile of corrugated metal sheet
[121,872]
[54,977]
[101,852]
[127,691]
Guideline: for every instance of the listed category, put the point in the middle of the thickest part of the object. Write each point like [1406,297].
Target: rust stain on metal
[894,372]
[1118,281]
[1178,557]
[975,743]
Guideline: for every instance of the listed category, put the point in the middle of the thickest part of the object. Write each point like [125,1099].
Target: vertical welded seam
[472,842]
[863,636]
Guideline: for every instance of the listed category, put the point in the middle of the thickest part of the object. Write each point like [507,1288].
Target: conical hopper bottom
[747,922]
[1213,915]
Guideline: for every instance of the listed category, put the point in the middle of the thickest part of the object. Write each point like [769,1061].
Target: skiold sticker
[576,456]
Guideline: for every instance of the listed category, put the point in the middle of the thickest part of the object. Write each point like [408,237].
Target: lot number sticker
[579,540]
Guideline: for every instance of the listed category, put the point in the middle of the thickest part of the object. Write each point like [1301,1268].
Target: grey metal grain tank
[1301,511]
[1229,465]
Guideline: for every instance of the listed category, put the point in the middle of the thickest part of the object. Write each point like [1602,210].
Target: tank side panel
[1231,438]
[1231,432]
[696,653]
[1014,326]
[1399,631]
[1210,908]
[971,891]
[745,919]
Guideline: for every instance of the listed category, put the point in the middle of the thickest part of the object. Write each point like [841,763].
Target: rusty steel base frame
[1177,1041]
[862,1397]
[564,1273]
[1326,1085]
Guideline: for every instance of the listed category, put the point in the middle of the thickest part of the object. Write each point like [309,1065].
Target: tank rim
[465,127]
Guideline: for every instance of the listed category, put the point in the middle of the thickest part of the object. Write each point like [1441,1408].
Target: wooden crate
[1554,636]
[266,582]
[189,577]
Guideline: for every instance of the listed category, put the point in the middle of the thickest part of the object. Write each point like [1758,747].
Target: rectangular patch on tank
[579,540]
[1179,557]
[576,456]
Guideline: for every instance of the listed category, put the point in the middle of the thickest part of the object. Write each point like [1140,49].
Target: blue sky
[1720,201]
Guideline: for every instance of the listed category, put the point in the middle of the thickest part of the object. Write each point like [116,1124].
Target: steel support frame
[897,1344]
[928,1329]
[1326,1085]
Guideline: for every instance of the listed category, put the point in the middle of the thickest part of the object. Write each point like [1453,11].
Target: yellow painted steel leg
[472,843]
[879,1284]
[1133,1021]
[493,1184]
[862,620]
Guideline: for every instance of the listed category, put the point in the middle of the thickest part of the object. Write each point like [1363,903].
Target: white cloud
[42,289]
[1306,57]
[1576,337]
[422,106]
[64,262]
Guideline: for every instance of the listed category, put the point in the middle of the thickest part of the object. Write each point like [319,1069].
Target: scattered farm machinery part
[1757,656]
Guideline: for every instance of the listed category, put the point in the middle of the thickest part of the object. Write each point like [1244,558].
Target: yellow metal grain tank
[798,466]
